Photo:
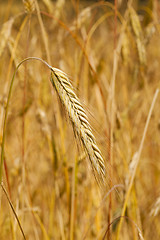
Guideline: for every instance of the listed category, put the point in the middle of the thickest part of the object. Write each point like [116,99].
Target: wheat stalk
[79,120]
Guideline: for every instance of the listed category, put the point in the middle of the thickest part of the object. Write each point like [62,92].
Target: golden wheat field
[79,120]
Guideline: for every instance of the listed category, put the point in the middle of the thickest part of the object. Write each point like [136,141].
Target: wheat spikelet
[141,51]
[125,48]
[29,6]
[137,29]
[5,34]
[136,26]
[80,122]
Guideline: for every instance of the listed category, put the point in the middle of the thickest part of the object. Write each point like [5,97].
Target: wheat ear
[80,122]
[137,29]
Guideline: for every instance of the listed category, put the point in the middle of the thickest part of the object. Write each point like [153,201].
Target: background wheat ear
[80,122]
[29,5]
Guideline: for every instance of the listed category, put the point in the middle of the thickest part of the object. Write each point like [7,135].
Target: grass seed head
[5,34]
[80,121]
[29,5]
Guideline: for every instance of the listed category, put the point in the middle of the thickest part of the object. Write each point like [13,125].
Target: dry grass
[109,79]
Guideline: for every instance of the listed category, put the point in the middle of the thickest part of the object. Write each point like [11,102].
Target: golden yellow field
[58,181]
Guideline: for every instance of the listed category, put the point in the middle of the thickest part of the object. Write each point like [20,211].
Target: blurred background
[110,51]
